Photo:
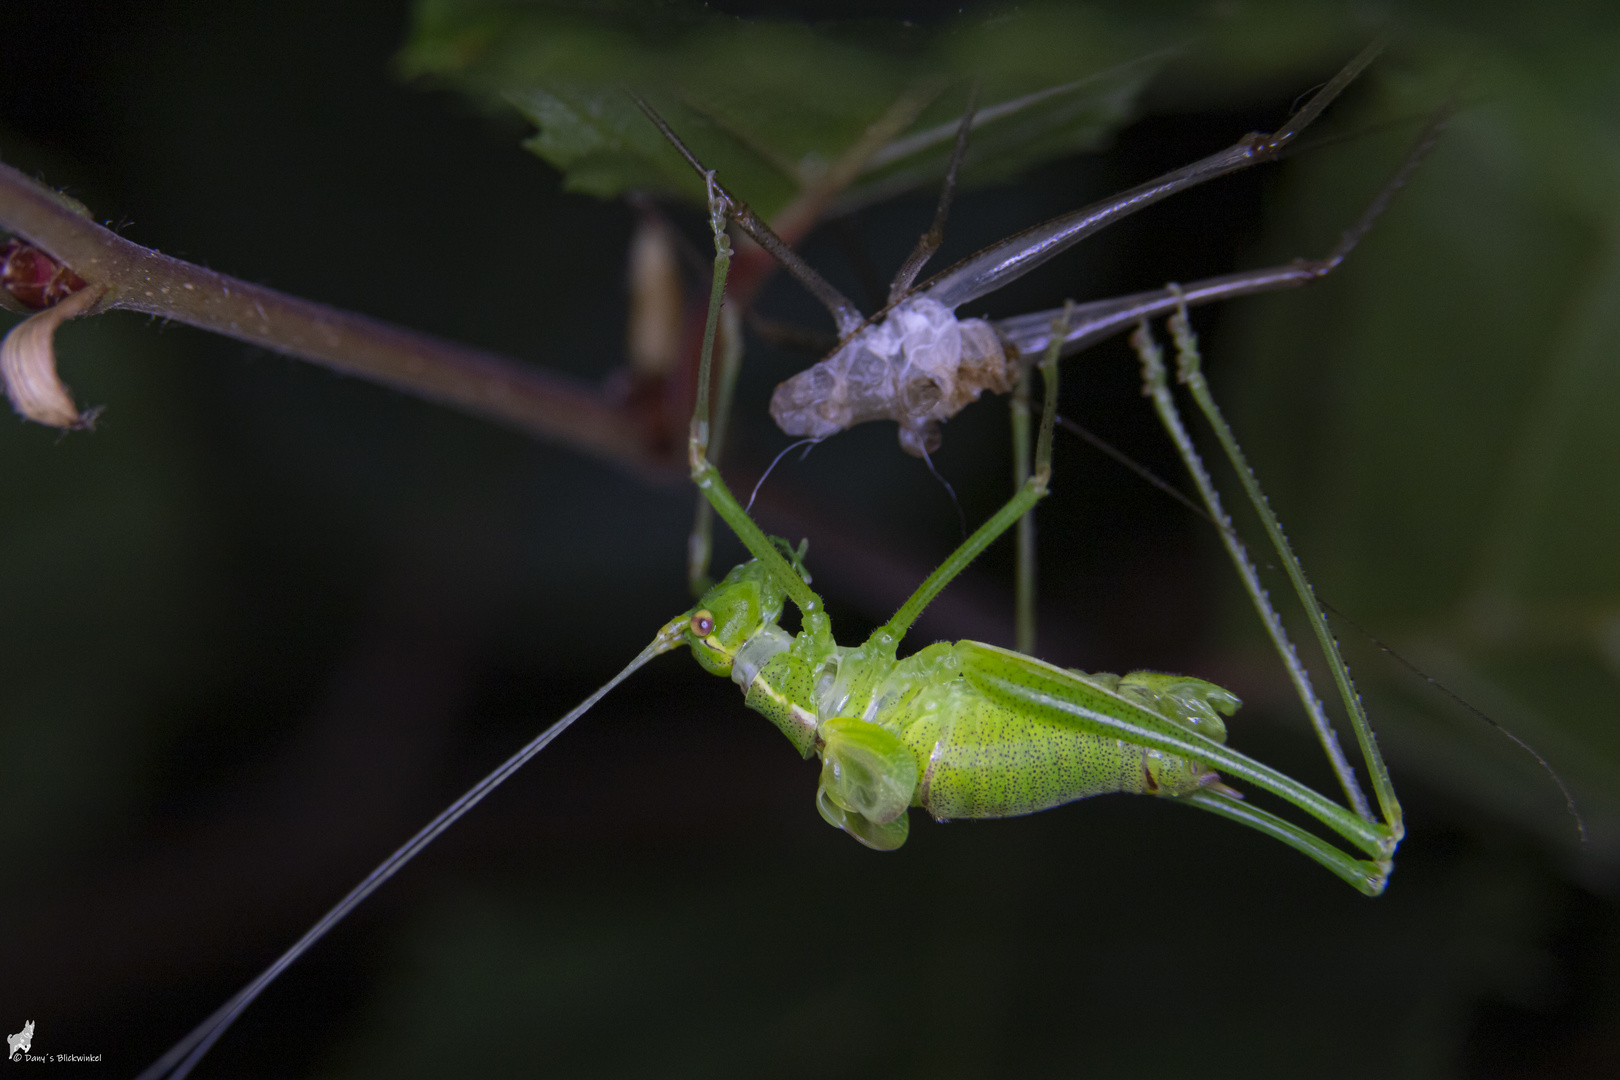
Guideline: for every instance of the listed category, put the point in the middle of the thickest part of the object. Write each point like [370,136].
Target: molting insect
[968,729]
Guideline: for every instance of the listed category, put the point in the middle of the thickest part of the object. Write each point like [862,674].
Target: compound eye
[702,624]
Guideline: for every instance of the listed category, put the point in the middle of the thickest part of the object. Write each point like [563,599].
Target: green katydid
[963,730]
[972,730]
[916,363]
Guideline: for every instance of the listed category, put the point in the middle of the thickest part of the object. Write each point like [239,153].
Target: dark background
[265,621]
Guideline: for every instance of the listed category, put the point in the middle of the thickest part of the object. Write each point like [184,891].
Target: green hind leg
[1155,386]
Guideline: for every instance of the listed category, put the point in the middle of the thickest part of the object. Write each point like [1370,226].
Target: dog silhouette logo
[19,1044]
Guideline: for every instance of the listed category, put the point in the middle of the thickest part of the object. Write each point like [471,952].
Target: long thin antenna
[809,444]
[961,515]
[184,1055]
[1480,714]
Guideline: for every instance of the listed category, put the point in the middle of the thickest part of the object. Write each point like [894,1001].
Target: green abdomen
[978,759]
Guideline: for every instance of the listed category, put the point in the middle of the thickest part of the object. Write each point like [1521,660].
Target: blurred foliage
[93,545]
[772,104]
[1443,422]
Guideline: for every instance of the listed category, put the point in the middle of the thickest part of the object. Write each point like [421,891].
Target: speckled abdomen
[978,759]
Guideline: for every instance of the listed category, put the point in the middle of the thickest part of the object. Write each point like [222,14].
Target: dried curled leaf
[28,363]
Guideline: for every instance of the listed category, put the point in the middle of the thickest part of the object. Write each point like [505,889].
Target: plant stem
[485,384]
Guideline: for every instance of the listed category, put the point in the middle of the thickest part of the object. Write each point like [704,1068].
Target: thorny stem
[485,384]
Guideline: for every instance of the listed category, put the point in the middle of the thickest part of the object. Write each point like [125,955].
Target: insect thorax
[918,366]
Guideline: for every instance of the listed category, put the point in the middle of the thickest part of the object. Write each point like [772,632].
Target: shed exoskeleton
[917,363]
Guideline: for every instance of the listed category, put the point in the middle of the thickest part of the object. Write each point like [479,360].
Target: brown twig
[488,385]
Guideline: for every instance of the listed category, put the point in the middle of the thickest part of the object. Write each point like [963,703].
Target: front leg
[868,780]
[707,477]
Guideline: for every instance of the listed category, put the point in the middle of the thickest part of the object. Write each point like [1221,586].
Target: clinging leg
[1099,320]
[1025,563]
[1024,499]
[929,242]
[705,475]
[844,313]
[990,269]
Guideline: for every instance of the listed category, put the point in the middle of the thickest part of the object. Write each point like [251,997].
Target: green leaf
[774,106]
